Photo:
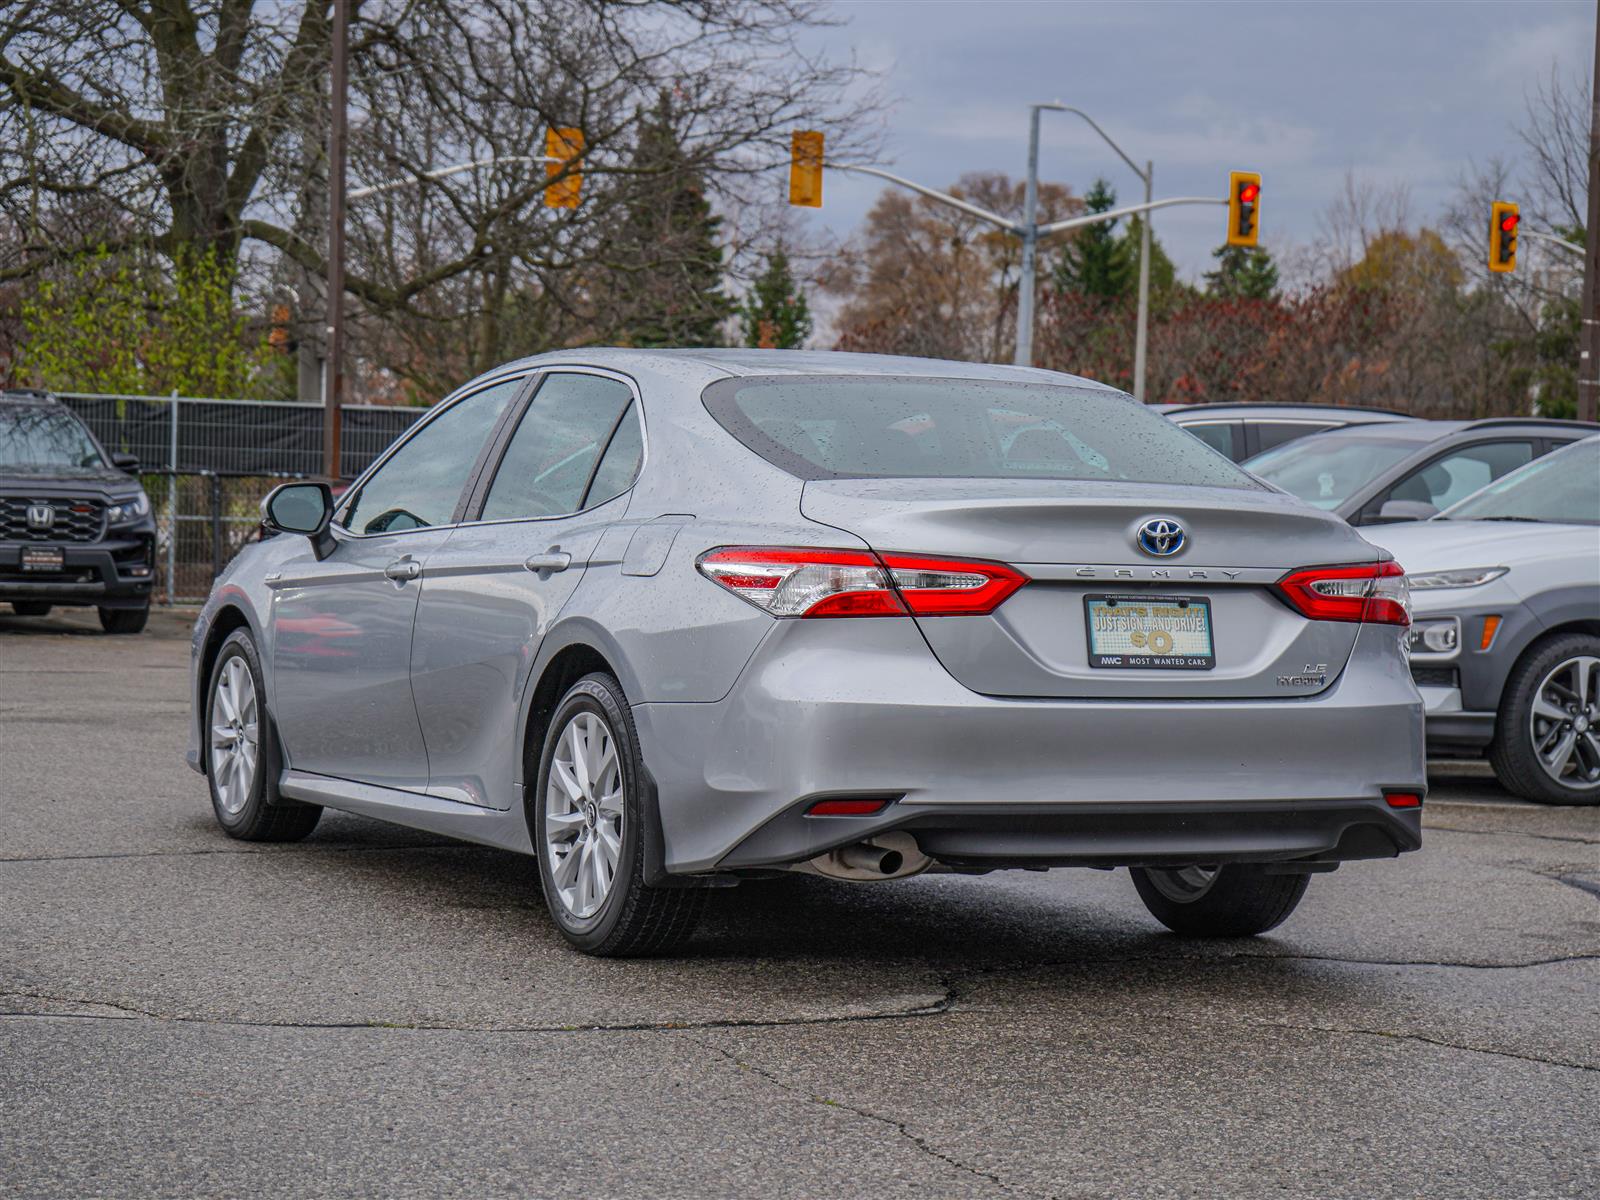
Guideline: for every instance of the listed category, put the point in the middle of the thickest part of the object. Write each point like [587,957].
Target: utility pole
[1141,337]
[333,392]
[1589,354]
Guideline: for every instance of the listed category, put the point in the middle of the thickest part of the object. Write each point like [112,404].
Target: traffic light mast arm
[363,192]
[1554,241]
[1113,214]
[982,214]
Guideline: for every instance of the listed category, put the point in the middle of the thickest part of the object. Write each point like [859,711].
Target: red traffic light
[1509,222]
[1249,192]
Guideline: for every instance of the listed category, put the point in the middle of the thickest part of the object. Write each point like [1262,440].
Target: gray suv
[668,620]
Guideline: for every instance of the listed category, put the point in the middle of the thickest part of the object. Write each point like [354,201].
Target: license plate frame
[42,560]
[1136,657]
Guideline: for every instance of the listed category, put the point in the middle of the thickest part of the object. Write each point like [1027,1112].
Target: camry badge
[1161,537]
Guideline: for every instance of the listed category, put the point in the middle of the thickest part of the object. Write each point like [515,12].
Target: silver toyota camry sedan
[669,620]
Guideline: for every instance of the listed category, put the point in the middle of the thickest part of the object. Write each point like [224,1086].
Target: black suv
[75,527]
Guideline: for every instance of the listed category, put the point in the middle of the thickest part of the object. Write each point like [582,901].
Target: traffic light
[805,169]
[565,145]
[1503,222]
[1244,202]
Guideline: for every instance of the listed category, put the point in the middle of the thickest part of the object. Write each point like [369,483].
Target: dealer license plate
[44,558]
[1164,633]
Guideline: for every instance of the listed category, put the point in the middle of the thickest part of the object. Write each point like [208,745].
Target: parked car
[75,527]
[1244,430]
[1505,637]
[1408,470]
[664,620]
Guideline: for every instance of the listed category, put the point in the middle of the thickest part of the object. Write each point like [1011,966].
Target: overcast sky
[1301,92]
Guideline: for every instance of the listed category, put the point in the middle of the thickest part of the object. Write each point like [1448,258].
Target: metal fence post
[172,498]
[216,524]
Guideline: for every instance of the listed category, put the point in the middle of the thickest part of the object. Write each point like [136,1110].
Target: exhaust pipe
[864,856]
[887,856]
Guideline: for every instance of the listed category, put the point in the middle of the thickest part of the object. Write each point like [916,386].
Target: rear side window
[852,427]
[557,446]
[1221,436]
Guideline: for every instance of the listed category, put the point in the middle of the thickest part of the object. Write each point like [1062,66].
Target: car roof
[1264,411]
[712,363]
[1423,432]
[26,396]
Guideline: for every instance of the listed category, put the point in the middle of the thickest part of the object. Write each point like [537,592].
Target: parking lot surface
[380,1012]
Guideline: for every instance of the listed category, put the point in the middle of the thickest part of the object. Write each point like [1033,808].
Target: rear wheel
[242,758]
[31,608]
[1546,744]
[124,620]
[588,817]
[1237,900]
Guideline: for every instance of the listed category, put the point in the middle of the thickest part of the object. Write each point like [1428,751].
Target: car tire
[588,825]
[243,761]
[1236,900]
[1541,683]
[124,620]
[31,608]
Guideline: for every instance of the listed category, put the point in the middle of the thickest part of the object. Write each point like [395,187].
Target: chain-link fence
[207,464]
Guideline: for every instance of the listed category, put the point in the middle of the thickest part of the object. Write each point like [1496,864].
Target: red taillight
[1403,799]
[1375,593]
[796,581]
[846,808]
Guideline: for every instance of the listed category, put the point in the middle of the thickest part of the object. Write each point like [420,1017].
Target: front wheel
[1546,744]
[1237,900]
[124,620]
[588,815]
[242,758]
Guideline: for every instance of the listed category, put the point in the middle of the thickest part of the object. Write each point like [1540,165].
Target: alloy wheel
[1562,722]
[1183,885]
[235,734]
[583,814]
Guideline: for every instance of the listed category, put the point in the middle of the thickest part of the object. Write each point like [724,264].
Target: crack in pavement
[1542,837]
[1396,1035]
[900,1128]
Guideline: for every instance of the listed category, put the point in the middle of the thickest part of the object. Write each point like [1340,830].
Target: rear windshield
[851,427]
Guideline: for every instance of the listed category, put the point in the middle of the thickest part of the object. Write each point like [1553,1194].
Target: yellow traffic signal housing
[805,169]
[565,145]
[1503,222]
[1244,202]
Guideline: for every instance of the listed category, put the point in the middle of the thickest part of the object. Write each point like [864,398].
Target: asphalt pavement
[379,1012]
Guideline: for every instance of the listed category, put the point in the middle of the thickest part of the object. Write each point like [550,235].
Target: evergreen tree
[674,296]
[1242,272]
[776,313]
[1165,287]
[1096,262]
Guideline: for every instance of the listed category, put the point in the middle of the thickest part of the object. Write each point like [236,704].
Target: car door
[555,482]
[1453,475]
[341,626]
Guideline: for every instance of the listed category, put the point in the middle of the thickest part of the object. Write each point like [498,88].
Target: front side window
[41,435]
[844,427]
[421,482]
[559,442]
[1219,435]
[1457,475]
[1563,487]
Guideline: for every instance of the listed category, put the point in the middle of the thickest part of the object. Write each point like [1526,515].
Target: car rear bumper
[861,708]
[114,573]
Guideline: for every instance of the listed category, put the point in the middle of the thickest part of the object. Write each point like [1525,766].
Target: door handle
[403,570]
[553,560]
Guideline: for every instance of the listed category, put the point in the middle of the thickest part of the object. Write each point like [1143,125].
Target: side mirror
[305,508]
[1405,510]
[126,462]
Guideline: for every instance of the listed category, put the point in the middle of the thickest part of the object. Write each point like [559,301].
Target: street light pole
[1030,242]
[1589,335]
[1141,336]
[333,388]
